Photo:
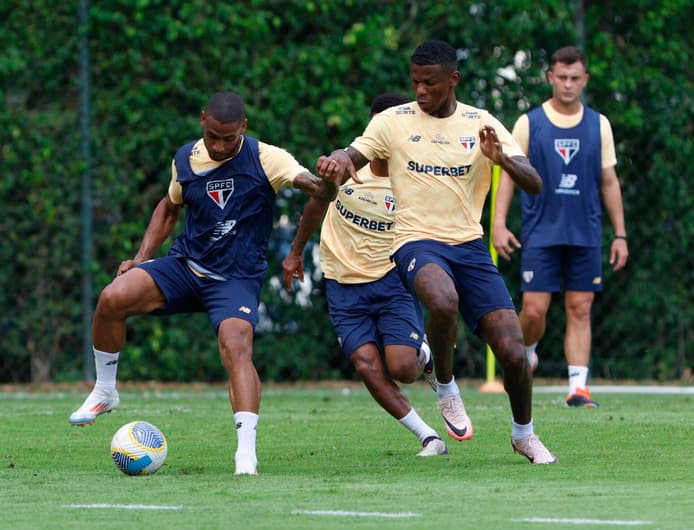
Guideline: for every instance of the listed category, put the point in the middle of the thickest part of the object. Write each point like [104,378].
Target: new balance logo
[414,138]
[245,309]
[111,363]
[567,185]
[239,424]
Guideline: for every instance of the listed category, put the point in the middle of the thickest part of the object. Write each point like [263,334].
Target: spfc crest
[567,148]
[528,276]
[220,191]
[389,202]
[468,142]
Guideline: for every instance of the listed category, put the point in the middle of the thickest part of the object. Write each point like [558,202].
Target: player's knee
[111,302]
[403,371]
[513,358]
[443,307]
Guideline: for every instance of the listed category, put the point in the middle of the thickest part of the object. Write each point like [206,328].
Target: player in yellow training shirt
[440,153]
[370,308]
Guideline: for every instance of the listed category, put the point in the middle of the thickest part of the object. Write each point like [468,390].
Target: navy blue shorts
[381,311]
[187,293]
[546,269]
[481,289]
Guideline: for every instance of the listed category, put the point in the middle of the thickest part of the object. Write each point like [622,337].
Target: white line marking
[581,521]
[620,389]
[127,506]
[342,513]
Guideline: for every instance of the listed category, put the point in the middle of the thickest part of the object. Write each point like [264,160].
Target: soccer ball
[138,448]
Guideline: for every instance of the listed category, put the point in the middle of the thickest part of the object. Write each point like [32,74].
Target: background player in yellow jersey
[572,148]
[440,153]
[370,309]
[228,181]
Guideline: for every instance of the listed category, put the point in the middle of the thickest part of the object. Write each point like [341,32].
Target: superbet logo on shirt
[220,191]
[567,148]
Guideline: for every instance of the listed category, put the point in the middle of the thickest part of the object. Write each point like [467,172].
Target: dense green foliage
[307,71]
[61,477]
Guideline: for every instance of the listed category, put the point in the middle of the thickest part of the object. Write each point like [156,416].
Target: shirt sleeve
[373,142]
[609,156]
[521,133]
[175,189]
[279,165]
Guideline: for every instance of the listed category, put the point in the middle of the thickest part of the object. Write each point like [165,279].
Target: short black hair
[387,100]
[568,55]
[226,107]
[434,52]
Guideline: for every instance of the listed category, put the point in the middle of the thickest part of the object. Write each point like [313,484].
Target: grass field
[330,458]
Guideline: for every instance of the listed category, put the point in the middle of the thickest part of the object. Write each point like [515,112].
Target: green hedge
[308,71]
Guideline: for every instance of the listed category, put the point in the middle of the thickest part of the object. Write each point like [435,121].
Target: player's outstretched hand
[490,144]
[293,266]
[337,167]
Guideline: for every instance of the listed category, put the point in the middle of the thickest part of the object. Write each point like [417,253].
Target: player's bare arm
[293,263]
[340,165]
[160,226]
[612,197]
[517,167]
[321,189]
[505,242]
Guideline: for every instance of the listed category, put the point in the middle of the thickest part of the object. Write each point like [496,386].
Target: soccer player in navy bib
[228,182]
[379,324]
[440,153]
[572,148]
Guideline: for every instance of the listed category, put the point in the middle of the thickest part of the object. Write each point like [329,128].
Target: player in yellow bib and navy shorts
[379,324]
[440,153]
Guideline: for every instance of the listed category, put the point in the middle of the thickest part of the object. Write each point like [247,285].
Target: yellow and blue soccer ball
[138,448]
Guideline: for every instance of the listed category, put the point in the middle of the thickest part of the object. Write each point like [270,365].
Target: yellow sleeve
[521,133]
[175,189]
[609,156]
[279,165]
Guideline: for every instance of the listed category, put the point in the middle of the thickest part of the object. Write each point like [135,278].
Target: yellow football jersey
[437,170]
[357,231]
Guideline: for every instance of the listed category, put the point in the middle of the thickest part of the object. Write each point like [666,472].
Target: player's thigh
[132,293]
[582,268]
[232,299]
[398,313]
[350,311]
[541,269]
[424,269]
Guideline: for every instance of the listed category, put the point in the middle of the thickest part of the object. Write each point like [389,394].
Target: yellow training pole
[491,384]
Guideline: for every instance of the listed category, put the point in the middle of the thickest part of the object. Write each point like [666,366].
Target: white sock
[529,350]
[447,389]
[424,348]
[519,431]
[577,377]
[106,369]
[246,424]
[419,428]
